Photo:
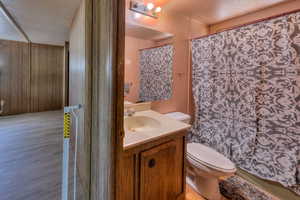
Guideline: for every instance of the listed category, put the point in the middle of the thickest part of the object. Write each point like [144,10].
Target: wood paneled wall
[14,77]
[46,77]
[31,77]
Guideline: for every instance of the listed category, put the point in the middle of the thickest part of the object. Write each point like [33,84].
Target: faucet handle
[129,111]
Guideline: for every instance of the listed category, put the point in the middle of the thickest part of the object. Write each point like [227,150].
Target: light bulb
[150,6]
[137,15]
[158,9]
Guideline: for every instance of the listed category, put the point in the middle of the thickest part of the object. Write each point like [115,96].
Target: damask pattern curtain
[246,87]
[156,74]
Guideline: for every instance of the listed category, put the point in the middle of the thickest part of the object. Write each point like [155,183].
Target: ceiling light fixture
[158,9]
[137,15]
[150,6]
[147,9]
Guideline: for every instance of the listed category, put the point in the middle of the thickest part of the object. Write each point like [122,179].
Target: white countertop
[168,126]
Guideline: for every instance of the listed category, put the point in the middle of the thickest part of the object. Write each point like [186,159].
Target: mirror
[148,64]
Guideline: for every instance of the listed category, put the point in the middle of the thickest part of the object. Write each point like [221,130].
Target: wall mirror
[148,64]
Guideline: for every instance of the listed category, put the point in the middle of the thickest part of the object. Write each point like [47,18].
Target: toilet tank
[180,117]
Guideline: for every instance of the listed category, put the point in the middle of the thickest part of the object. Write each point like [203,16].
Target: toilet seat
[204,155]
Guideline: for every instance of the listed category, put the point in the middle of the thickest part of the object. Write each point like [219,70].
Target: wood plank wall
[31,77]
[46,77]
[14,77]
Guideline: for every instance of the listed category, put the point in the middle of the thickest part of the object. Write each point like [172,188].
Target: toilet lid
[209,156]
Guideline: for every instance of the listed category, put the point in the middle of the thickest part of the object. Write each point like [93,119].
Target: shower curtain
[246,88]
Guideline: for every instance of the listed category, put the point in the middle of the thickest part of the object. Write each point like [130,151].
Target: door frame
[105,44]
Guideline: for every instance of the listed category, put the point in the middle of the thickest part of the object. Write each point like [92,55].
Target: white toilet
[205,166]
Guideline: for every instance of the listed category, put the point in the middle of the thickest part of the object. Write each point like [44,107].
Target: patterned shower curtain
[246,87]
[156,74]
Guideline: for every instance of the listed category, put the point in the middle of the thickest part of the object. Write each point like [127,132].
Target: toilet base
[206,187]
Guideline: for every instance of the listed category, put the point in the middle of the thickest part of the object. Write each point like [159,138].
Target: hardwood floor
[191,194]
[31,156]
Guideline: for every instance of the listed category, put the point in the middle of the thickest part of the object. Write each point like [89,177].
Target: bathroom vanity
[153,161]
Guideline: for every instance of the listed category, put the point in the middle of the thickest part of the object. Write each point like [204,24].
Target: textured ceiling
[44,21]
[214,11]
[48,21]
[8,30]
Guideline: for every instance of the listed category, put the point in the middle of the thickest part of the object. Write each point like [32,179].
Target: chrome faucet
[129,112]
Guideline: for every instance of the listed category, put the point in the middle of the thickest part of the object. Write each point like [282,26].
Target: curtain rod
[156,46]
[248,23]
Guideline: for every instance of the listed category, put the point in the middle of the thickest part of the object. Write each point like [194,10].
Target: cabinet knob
[151,163]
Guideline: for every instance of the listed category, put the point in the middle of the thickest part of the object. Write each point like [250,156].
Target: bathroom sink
[141,124]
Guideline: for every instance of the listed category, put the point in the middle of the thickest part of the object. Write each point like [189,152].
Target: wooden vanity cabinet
[154,171]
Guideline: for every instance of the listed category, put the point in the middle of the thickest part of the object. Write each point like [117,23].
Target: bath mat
[237,188]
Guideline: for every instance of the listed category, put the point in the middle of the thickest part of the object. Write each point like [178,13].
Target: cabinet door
[159,172]
[126,178]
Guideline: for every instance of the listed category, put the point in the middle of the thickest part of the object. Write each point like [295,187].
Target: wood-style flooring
[31,156]
[191,194]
